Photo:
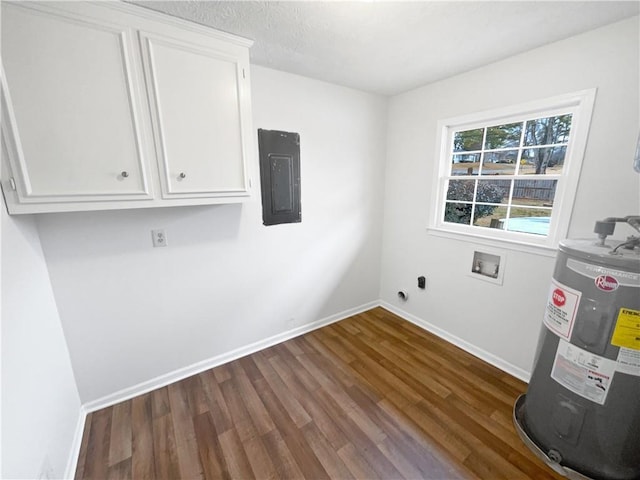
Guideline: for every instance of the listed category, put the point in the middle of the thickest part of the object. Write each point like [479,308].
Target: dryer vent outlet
[402,295]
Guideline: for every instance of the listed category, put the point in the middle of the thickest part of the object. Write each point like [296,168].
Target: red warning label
[562,308]
[558,298]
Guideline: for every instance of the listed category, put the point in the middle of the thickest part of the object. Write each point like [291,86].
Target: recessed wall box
[488,266]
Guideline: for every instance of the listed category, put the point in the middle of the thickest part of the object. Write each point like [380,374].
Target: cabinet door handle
[124,174]
[182,175]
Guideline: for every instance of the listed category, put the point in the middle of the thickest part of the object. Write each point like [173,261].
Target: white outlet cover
[159,238]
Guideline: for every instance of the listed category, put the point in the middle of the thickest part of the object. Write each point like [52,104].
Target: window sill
[508,244]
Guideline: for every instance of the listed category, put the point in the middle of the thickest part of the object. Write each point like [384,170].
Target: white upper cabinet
[196,104]
[106,106]
[76,99]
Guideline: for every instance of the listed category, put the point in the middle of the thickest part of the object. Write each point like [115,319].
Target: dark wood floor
[372,396]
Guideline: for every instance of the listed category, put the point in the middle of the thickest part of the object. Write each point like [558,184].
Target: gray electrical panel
[280,176]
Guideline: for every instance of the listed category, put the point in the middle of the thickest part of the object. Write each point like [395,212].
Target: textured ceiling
[388,47]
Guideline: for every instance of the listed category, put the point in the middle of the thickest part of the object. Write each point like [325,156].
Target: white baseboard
[182,373]
[72,463]
[463,344]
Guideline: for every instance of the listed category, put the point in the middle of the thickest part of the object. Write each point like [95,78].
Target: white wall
[131,312]
[40,401]
[504,321]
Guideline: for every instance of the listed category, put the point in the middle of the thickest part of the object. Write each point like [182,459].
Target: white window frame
[580,105]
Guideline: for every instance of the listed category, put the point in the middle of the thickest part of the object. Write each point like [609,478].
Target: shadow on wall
[114,233]
[304,282]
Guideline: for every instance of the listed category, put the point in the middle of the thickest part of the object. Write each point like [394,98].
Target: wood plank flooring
[372,396]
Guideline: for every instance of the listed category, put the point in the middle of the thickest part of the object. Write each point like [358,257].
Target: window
[511,175]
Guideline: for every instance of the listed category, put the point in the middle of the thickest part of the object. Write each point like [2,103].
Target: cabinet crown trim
[177,21]
[144,13]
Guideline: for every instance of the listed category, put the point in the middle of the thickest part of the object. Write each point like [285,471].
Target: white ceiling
[388,47]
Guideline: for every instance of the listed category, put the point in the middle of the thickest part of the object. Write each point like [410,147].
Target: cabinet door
[198,97]
[75,103]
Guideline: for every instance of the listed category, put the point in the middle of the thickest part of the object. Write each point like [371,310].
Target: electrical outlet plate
[159,238]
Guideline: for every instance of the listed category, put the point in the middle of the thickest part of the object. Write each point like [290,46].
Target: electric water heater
[581,412]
